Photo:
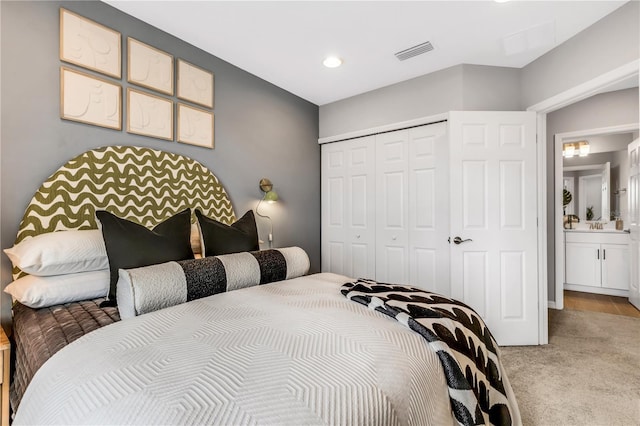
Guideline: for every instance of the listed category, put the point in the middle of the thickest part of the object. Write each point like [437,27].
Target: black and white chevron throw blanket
[466,349]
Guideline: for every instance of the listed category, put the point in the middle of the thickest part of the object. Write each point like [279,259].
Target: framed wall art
[149,115]
[195,126]
[88,99]
[149,67]
[195,84]
[88,44]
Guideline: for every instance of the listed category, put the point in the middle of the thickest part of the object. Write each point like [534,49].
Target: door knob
[458,240]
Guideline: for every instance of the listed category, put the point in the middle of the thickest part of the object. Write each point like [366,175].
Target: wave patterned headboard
[143,185]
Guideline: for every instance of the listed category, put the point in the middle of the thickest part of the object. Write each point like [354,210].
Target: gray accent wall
[462,87]
[606,45]
[260,129]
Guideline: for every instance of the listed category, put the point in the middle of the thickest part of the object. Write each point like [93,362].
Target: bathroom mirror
[589,186]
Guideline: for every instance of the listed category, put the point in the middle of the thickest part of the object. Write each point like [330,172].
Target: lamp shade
[271,196]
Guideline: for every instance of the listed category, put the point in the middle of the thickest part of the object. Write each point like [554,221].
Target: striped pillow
[147,289]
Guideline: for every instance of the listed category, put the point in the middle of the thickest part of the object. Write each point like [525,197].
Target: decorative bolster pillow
[147,289]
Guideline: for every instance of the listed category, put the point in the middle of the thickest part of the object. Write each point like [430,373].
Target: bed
[272,346]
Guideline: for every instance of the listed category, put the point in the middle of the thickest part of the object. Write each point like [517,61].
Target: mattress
[291,352]
[40,333]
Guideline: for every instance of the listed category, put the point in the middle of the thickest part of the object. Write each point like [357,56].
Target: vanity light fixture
[270,196]
[568,150]
[332,62]
[583,148]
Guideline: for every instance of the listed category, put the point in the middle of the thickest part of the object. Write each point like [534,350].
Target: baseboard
[551,304]
[597,290]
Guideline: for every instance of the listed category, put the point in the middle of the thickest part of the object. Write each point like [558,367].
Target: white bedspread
[293,352]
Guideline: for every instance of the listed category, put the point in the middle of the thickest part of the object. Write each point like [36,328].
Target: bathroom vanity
[597,261]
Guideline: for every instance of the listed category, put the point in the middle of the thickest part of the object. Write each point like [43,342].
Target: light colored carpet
[588,374]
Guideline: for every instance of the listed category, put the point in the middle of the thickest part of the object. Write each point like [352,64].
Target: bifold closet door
[412,207]
[429,208]
[348,207]
[392,207]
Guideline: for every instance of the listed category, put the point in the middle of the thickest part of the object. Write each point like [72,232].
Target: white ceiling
[285,42]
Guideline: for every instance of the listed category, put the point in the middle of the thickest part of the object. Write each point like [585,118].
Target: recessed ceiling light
[332,62]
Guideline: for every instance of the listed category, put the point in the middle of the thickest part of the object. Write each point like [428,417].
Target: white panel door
[634,222]
[348,207]
[429,208]
[493,206]
[392,214]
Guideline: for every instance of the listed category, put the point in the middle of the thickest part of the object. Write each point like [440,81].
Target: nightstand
[5,358]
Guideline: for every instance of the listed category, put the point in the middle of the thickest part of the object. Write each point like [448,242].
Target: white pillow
[40,292]
[62,252]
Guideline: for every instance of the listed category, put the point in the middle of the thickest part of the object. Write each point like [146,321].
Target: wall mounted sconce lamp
[572,148]
[270,196]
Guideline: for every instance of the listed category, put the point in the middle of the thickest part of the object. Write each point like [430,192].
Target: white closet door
[429,208]
[392,213]
[634,222]
[348,208]
[493,204]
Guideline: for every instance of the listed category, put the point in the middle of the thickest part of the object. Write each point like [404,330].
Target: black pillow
[130,245]
[219,238]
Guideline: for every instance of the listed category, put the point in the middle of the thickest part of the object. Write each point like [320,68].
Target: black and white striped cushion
[154,287]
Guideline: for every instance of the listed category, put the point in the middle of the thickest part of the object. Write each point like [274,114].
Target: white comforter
[292,352]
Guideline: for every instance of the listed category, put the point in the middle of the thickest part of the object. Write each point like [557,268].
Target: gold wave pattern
[143,185]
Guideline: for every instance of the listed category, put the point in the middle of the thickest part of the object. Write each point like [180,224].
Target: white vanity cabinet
[597,262]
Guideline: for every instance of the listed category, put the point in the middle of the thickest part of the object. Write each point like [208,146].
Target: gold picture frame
[195,84]
[91,100]
[90,45]
[149,67]
[195,126]
[149,115]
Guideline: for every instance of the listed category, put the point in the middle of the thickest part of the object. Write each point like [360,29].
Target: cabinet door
[582,264]
[615,266]
[392,214]
[348,208]
[429,208]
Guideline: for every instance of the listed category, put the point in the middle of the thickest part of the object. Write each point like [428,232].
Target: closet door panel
[428,204]
[392,213]
[348,207]
[333,200]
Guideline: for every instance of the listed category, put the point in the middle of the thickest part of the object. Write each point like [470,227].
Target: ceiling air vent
[414,51]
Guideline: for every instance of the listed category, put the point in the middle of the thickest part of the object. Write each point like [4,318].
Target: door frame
[559,233]
[568,97]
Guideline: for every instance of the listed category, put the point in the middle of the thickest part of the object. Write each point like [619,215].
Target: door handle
[458,240]
[604,254]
